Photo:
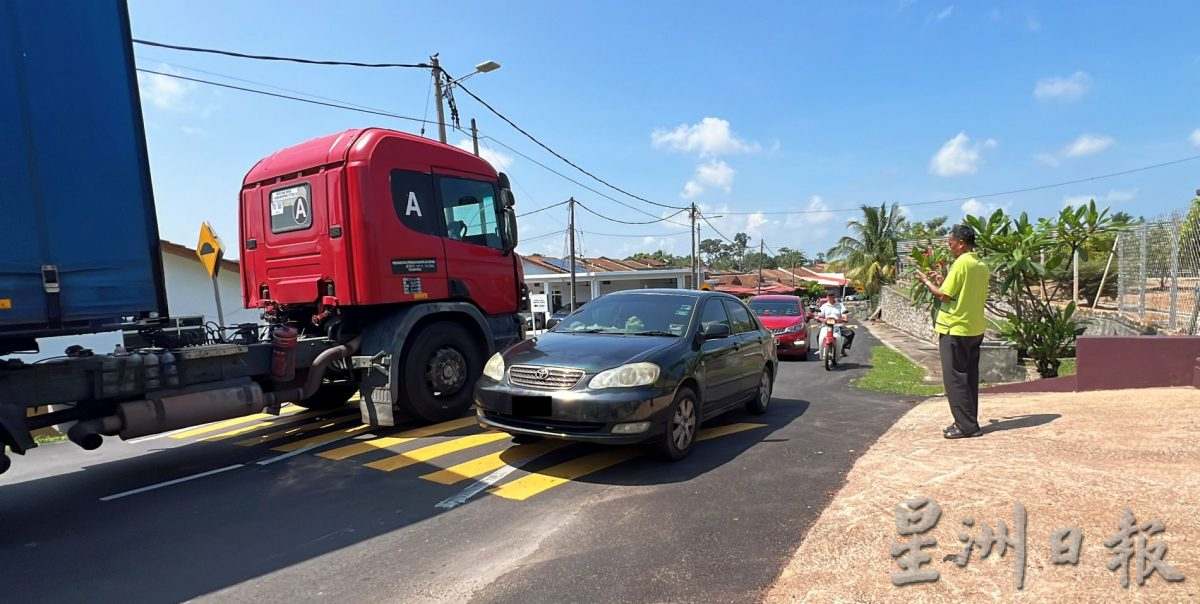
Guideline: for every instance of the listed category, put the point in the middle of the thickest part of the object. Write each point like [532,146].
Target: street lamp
[483,67]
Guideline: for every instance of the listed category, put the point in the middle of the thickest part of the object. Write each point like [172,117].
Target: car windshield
[633,314]
[764,308]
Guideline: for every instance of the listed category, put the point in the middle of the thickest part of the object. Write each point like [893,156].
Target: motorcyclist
[836,310]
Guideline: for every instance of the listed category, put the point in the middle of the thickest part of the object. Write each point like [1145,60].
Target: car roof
[775,297]
[694,293]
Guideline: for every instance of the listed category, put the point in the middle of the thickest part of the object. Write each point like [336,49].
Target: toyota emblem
[542,374]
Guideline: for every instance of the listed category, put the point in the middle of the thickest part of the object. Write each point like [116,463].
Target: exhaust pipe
[89,434]
[316,374]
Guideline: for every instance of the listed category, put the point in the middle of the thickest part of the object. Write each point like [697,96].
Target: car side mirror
[715,331]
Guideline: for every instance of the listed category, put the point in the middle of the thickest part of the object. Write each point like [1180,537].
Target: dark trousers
[960,376]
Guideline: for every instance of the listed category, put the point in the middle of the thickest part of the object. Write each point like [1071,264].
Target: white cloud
[816,212]
[163,91]
[1049,159]
[1063,89]
[691,190]
[973,207]
[959,156]
[192,130]
[1113,196]
[1195,137]
[945,14]
[502,162]
[716,173]
[1088,144]
[712,136]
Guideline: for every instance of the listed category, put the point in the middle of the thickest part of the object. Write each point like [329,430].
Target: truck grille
[544,378]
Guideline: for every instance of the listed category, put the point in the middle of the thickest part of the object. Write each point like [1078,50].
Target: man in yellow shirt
[960,325]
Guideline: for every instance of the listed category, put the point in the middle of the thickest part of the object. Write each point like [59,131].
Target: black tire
[330,395]
[762,396]
[441,366]
[829,362]
[683,424]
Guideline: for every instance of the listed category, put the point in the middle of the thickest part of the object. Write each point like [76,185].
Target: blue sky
[760,107]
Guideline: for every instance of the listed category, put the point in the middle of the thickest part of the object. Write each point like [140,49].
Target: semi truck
[383,263]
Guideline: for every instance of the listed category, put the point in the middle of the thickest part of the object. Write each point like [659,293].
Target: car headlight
[794,328]
[495,367]
[626,376]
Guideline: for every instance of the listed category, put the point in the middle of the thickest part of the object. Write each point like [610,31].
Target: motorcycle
[832,340]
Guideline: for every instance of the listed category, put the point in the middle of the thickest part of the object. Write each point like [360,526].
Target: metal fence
[1158,272]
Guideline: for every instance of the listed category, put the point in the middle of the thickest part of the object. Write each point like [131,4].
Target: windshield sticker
[684,310]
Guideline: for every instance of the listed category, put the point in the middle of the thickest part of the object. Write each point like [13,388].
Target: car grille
[544,424]
[544,378]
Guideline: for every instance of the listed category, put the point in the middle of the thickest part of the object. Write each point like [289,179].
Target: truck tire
[441,366]
[330,395]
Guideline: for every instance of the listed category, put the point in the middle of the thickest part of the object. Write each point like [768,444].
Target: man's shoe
[949,428]
[845,351]
[955,433]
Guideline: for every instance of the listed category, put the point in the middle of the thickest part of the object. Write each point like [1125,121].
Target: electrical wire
[994,194]
[240,55]
[542,236]
[633,236]
[556,153]
[281,96]
[531,212]
[602,216]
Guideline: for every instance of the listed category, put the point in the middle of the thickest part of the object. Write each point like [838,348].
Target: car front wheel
[683,422]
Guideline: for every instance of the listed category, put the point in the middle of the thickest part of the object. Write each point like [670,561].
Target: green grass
[892,373]
[1068,366]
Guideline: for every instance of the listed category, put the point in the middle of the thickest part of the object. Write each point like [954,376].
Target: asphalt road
[261,516]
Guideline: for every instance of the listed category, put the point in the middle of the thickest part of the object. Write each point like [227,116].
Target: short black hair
[964,234]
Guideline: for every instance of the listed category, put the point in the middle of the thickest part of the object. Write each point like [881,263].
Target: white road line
[304,450]
[476,488]
[170,482]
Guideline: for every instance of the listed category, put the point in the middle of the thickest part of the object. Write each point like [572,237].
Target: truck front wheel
[441,367]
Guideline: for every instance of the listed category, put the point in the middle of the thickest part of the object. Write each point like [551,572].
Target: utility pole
[571,229]
[1075,281]
[437,92]
[695,253]
[761,254]
[475,137]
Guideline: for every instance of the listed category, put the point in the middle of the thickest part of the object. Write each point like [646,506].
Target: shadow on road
[1019,421]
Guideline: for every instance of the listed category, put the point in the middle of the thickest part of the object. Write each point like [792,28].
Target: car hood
[780,321]
[591,352]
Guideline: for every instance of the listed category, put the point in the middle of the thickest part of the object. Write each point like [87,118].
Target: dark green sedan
[631,367]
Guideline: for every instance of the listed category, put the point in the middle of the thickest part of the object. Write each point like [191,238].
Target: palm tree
[868,254]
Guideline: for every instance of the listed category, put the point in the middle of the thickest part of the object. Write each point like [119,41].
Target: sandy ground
[1070,459]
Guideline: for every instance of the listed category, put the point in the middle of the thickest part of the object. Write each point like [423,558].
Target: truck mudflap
[384,341]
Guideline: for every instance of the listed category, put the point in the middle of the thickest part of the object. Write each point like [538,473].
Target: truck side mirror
[510,227]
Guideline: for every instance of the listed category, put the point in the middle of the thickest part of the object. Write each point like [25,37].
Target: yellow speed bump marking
[529,485]
[236,422]
[390,441]
[321,439]
[320,424]
[416,456]
[283,421]
[532,484]
[488,463]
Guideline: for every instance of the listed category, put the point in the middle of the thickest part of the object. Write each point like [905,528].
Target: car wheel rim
[683,424]
[446,372]
[764,391]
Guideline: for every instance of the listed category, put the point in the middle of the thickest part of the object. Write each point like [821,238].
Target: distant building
[595,277]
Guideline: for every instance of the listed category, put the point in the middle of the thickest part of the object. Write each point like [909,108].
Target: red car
[786,317]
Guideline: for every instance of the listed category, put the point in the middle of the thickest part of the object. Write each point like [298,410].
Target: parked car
[787,318]
[633,366]
[533,321]
[561,314]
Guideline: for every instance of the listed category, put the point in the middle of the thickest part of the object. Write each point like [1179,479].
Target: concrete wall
[1112,323]
[1120,362]
[897,310]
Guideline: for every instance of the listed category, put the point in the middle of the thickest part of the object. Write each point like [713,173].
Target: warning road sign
[210,250]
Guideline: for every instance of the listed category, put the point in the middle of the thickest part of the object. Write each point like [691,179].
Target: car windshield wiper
[594,330]
[652,333]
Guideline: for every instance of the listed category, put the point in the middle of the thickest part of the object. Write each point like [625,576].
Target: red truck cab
[385,235]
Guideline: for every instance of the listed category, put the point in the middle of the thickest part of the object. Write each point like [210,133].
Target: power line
[633,236]
[557,154]
[602,216]
[543,236]
[240,55]
[541,209]
[282,96]
[995,194]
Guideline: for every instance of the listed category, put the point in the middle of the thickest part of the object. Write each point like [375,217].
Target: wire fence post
[1172,322]
[1121,281]
[1195,312]
[1145,244]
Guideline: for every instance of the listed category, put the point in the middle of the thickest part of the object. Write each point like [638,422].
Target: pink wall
[1119,362]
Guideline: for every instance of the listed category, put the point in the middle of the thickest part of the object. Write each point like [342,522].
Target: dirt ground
[1070,459]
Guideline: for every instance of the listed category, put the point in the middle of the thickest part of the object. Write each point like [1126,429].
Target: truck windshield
[633,314]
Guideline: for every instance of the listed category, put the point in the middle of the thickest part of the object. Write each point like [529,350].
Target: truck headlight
[495,367]
[626,376]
